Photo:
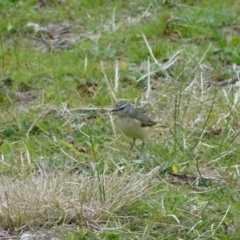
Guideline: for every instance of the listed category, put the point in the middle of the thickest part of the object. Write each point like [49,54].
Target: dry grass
[58,198]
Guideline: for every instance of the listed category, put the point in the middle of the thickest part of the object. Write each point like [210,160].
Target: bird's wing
[143,119]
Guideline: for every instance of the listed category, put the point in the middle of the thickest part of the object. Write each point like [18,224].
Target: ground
[66,172]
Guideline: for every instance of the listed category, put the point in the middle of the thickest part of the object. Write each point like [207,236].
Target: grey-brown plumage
[131,122]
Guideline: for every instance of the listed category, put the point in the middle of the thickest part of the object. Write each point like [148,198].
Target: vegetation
[65,168]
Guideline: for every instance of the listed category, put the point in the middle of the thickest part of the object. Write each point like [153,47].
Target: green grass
[65,168]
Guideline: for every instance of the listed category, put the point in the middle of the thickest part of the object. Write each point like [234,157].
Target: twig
[148,80]
[116,79]
[108,83]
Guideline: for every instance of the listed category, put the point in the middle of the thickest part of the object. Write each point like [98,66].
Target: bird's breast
[132,128]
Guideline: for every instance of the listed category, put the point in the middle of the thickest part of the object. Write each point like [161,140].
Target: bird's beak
[113,111]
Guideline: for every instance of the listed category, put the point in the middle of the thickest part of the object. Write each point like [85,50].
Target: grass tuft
[64,198]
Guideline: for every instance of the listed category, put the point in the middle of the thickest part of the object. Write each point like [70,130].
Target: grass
[65,168]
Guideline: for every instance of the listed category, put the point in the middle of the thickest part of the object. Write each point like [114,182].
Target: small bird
[131,122]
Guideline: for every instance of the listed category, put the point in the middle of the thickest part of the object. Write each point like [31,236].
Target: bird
[132,123]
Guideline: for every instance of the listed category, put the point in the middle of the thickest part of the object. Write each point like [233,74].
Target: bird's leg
[143,144]
[140,154]
[132,145]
